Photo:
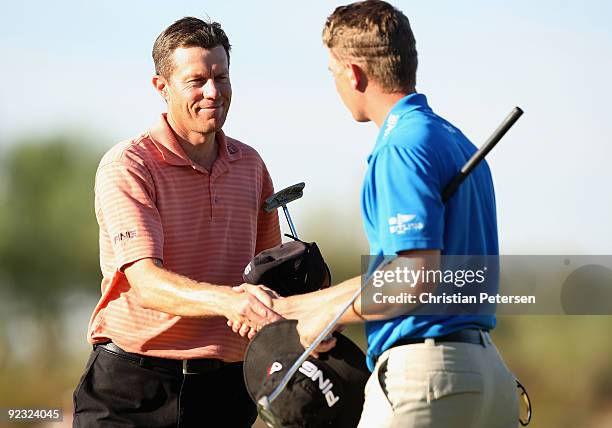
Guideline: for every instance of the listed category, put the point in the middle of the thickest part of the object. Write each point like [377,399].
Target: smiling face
[198,91]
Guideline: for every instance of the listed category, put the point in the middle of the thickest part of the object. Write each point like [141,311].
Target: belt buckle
[186,368]
[483,338]
[200,366]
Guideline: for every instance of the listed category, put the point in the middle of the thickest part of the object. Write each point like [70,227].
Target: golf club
[264,402]
[281,199]
[480,154]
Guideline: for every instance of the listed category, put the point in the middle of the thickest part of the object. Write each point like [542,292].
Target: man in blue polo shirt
[416,154]
[428,370]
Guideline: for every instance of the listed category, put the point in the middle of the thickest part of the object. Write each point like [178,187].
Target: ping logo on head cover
[275,367]
[403,222]
[312,372]
[247,269]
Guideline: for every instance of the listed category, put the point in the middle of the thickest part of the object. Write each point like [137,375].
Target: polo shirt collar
[172,152]
[408,103]
[402,107]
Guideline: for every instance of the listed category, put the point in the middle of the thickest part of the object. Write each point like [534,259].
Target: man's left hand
[310,325]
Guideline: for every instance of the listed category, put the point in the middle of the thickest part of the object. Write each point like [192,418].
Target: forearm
[356,312]
[329,302]
[166,291]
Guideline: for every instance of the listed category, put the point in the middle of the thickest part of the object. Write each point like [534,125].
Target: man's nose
[210,89]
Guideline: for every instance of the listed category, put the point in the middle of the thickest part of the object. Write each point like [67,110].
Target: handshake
[256,307]
[290,272]
[293,274]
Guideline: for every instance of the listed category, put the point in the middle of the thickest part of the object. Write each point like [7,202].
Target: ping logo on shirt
[449,128]
[124,236]
[312,372]
[231,147]
[391,122]
[401,223]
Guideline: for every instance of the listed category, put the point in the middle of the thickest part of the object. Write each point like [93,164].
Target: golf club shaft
[481,153]
[448,192]
[290,222]
[323,335]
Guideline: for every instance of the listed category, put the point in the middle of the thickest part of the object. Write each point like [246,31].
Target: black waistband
[194,366]
[468,335]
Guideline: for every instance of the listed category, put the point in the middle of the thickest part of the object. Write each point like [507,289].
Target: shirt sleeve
[125,207]
[268,228]
[409,207]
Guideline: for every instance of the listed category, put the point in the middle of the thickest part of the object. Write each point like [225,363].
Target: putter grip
[481,153]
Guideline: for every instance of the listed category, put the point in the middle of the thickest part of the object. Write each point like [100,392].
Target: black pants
[118,392]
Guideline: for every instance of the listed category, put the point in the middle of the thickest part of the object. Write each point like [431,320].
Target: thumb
[260,294]
[239,288]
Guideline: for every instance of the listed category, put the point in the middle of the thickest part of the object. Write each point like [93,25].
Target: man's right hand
[165,291]
[251,309]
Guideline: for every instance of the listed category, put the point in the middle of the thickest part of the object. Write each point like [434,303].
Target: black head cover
[291,268]
[325,392]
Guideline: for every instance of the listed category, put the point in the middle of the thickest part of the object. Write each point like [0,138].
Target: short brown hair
[184,33]
[377,35]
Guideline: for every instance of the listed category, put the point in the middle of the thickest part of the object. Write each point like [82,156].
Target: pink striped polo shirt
[151,200]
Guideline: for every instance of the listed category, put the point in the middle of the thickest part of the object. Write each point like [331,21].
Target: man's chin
[361,118]
[209,125]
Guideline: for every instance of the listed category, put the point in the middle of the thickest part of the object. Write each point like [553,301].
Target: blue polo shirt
[416,155]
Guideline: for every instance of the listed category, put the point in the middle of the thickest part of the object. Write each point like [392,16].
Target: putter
[281,199]
[263,404]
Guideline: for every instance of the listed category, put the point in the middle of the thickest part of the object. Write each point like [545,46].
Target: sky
[87,66]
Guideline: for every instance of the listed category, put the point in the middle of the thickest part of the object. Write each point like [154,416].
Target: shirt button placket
[213,199]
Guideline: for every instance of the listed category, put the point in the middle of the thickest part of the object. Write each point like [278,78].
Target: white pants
[448,384]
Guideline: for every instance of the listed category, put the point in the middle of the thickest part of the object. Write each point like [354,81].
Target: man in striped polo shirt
[179,210]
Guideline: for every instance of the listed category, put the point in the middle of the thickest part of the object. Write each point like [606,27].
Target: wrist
[226,299]
[287,307]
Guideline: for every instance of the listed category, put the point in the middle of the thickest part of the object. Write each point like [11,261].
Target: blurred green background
[50,277]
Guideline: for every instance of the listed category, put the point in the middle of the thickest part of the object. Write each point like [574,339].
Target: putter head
[283,197]
[266,414]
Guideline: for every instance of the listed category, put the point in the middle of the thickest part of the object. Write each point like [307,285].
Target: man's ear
[160,85]
[357,77]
